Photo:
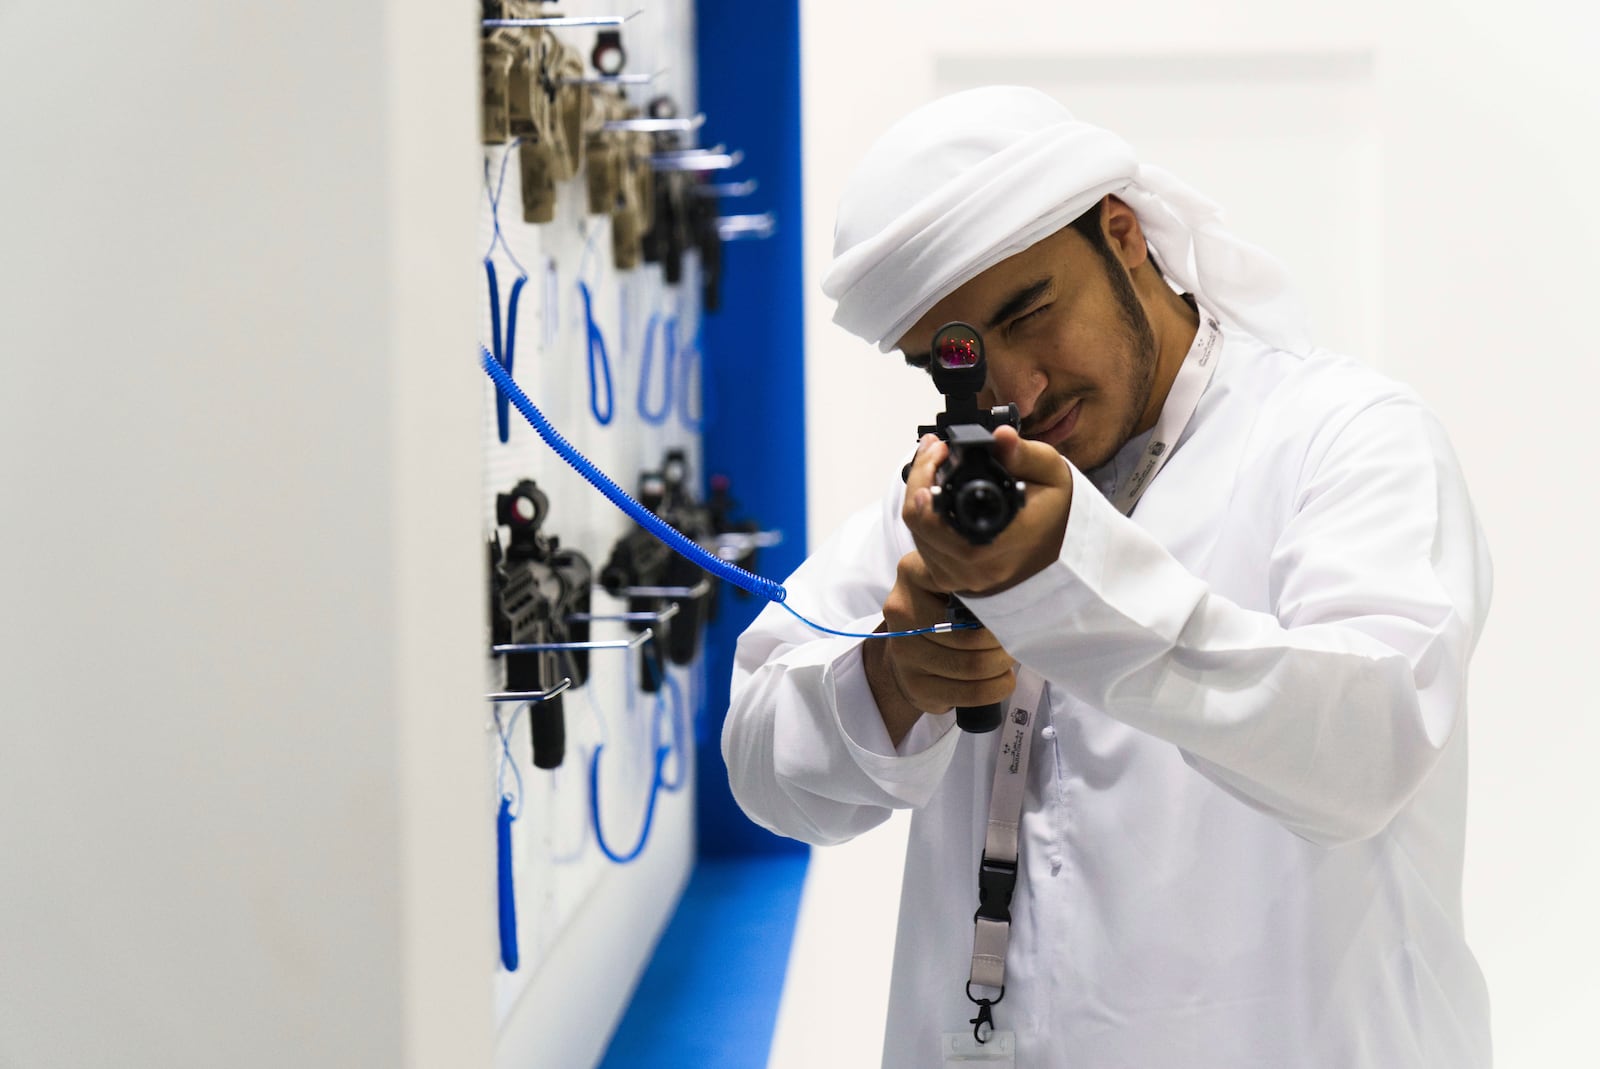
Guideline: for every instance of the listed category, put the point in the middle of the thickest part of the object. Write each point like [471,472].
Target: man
[1241,595]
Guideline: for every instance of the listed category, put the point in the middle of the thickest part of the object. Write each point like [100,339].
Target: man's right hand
[930,673]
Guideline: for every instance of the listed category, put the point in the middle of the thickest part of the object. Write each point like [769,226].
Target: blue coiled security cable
[762,588]
[675,540]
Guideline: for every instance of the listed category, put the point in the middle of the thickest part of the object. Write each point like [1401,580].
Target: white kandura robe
[1242,838]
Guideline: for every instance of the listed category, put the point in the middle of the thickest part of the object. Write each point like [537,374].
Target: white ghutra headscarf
[973,178]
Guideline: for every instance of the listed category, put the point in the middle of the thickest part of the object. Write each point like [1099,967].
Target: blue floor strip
[709,997]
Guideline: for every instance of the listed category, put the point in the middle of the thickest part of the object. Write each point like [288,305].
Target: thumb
[1033,462]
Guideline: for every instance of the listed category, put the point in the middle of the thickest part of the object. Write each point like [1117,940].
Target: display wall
[248,628]
[609,350]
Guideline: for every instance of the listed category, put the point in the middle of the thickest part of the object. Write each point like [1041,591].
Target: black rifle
[535,587]
[972,490]
[639,559]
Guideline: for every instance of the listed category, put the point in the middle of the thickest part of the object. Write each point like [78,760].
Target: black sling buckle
[996,881]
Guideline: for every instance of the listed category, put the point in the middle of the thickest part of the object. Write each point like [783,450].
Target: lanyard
[997,868]
[1194,375]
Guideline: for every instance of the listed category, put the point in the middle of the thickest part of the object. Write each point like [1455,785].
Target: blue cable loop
[504,348]
[649,813]
[599,362]
[505,345]
[672,706]
[688,365]
[657,416]
[675,540]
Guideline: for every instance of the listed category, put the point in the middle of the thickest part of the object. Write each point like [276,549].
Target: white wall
[866,65]
[1482,123]
[1492,140]
[240,743]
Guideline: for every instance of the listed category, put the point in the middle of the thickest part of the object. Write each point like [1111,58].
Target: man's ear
[1124,232]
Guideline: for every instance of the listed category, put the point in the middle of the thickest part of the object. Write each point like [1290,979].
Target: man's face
[1067,342]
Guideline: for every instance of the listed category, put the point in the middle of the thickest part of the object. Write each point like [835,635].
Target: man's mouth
[1060,428]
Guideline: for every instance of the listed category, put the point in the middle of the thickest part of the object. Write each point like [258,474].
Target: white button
[1049,731]
[1055,864]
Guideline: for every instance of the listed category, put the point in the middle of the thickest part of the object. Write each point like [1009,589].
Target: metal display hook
[542,647]
[699,590]
[696,160]
[628,617]
[746,227]
[613,79]
[604,644]
[563,20]
[537,696]
[735,544]
[658,126]
[672,154]
[693,150]
[533,697]
[725,189]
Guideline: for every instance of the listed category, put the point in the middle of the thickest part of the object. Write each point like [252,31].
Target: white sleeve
[807,752]
[1326,713]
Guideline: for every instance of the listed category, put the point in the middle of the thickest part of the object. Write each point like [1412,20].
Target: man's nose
[1014,380]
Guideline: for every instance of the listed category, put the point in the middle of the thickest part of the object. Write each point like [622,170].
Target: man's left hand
[1029,544]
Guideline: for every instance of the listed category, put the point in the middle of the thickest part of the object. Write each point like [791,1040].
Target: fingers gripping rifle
[972,490]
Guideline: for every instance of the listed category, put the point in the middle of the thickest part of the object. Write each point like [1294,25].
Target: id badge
[961,1051]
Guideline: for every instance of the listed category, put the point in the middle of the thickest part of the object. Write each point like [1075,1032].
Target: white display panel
[586,924]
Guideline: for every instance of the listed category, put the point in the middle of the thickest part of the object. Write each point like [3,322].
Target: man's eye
[1021,319]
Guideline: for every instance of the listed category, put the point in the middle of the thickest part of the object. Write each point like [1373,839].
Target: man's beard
[1138,373]
[1140,339]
